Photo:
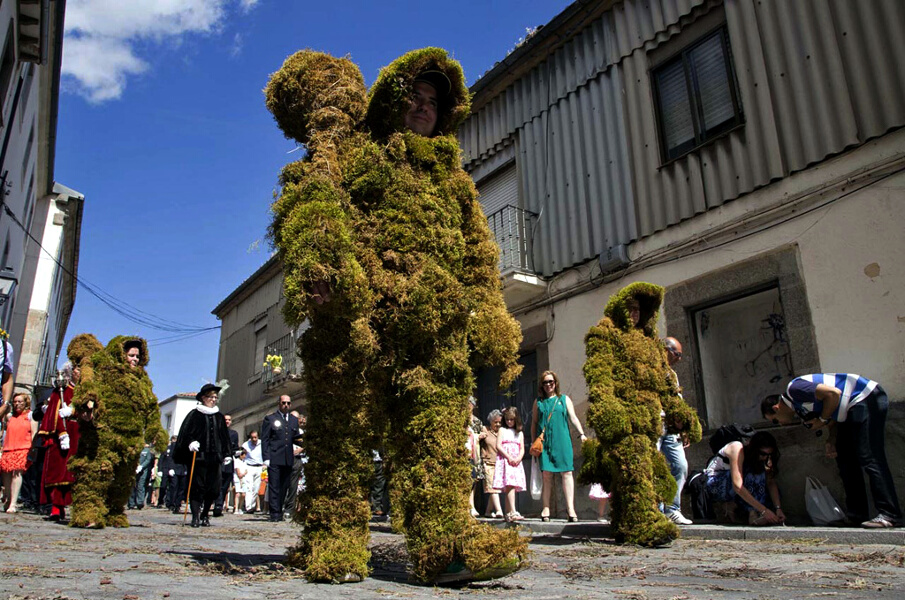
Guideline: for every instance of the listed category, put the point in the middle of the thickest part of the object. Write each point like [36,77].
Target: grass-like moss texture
[119,414]
[629,383]
[389,223]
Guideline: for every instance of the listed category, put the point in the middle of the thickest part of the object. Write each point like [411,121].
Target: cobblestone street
[240,557]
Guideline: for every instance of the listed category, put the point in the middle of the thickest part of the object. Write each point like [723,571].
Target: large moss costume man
[387,254]
[629,384]
[119,413]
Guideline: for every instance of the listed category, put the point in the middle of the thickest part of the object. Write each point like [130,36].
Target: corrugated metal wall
[575,175]
[815,77]
[567,118]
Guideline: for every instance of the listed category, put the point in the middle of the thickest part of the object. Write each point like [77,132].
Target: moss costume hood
[117,350]
[391,93]
[649,298]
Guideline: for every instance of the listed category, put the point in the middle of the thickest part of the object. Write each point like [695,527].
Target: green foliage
[120,414]
[629,382]
[389,221]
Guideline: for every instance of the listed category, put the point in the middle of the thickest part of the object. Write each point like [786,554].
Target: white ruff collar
[207,411]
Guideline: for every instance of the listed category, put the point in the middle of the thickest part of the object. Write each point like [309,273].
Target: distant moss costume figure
[119,414]
[387,253]
[629,384]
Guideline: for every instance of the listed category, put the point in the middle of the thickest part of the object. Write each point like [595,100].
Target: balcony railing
[292,367]
[512,228]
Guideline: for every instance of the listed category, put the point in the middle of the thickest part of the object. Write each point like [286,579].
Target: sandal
[573,519]
[545,519]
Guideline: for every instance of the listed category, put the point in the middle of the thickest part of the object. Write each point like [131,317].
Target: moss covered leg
[119,491]
[334,510]
[431,481]
[636,516]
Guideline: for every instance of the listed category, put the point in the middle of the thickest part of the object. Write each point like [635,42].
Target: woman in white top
[746,473]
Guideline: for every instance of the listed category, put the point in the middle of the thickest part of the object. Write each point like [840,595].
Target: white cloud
[103,36]
[100,66]
[238,43]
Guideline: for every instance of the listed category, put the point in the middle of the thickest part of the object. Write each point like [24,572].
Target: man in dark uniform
[277,432]
[227,470]
[142,477]
[203,442]
[164,466]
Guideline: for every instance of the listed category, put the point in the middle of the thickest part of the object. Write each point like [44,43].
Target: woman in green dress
[551,415]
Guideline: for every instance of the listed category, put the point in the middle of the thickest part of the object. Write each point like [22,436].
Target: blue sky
[162,126]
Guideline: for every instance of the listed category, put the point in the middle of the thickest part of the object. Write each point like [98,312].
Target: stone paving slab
[240,557]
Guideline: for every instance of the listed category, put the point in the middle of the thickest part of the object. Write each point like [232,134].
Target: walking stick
[189,490]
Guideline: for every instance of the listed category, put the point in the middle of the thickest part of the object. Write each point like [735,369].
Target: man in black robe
[203,445]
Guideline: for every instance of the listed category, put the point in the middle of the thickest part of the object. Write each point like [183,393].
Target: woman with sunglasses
[746,474]
[551,414]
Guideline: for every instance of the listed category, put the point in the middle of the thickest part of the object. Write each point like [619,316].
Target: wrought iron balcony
[292,368]
[512,227]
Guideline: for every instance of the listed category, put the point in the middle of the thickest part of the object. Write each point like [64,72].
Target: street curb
[592,529]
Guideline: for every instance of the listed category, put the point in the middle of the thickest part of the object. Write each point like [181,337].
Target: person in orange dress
[60,429]
[20,429]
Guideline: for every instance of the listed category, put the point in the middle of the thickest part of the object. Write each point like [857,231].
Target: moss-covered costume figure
[119,414]
[629,384]
[387,253]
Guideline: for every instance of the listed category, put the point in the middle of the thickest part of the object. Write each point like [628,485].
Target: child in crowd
[602,497]
[239,482]
[509,474]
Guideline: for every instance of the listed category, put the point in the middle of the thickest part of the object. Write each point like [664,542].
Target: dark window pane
[675,107]
[709,63]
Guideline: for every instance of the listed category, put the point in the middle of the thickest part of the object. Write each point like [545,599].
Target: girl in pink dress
[509,474]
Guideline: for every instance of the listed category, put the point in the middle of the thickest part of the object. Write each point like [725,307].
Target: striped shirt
[853,389]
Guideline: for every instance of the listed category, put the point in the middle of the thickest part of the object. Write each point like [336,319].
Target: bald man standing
[673,446]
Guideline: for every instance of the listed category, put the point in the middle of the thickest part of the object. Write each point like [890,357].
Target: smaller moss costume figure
[629,384]
[386,252]
[119,415]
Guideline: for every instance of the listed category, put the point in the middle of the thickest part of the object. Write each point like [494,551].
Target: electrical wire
[118,306]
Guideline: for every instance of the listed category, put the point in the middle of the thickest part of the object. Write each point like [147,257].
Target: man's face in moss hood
[422,114]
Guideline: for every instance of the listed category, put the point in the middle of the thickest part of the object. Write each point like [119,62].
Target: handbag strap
[558,398]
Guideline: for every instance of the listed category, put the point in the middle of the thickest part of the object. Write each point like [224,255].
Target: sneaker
[678,518]
[878,522]
[239,511]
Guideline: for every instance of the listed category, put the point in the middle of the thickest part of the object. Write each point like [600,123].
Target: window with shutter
[696,95]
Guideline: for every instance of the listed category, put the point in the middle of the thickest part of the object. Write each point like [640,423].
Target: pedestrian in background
[489,438]
[226,475]
[20,429]
[509,474]
[255,466]
[673,445]
[203,446]
[551,414]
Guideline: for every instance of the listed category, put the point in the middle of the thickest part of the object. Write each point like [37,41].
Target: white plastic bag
[821,506]
[537,481]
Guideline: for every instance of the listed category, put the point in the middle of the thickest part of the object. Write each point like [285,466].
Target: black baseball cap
[437,79]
